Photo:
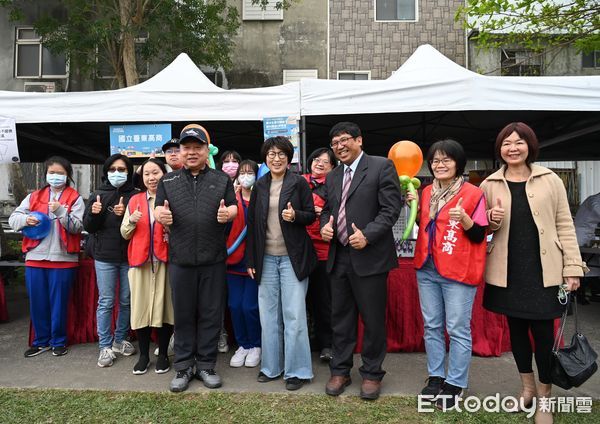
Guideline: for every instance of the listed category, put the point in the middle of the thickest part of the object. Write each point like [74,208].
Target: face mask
[56,180]
[117,179]
[230,168]
[247,180]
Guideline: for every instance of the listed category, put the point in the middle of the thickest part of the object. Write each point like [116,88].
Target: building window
[520,63]
[105,70]
[396,10]
[591,60]
[354,75]
[33,60]
[255,12]
[293,75]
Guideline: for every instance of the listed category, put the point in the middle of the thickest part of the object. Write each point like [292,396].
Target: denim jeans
[282,307]
[107,275]
[446,304]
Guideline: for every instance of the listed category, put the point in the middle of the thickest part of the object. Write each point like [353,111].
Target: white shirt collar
[354,164]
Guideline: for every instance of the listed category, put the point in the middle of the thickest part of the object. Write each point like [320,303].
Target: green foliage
[279,4]
[91,31]
[533,24]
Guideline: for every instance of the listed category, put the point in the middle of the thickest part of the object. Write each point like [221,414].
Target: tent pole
[303,144]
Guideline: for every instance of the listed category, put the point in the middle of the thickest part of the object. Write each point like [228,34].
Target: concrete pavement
[406,372]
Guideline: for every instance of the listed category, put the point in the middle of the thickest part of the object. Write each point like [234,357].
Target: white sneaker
[222,346]
[239,357]
[253,357]
[170,349]
[106,357]
[124,348]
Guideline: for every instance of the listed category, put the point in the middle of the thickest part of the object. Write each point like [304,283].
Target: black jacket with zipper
[196,237]
[300,249]
[105,227]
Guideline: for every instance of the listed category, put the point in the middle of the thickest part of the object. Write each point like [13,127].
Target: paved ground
[406,372]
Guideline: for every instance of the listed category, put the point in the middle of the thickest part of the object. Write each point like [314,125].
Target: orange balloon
[407,157]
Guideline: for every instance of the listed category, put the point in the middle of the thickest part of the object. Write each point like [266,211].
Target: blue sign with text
[141,140]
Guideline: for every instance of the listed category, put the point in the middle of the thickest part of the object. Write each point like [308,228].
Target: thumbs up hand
[164,214]
[497,212]
[119,208]
[327,230]
[53,205]
[357,239]
[457,213]
[97,206]
[288,214]
[222,213]
[135,216]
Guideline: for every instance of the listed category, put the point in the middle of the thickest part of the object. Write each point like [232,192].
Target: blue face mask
[117,179]
[56,180]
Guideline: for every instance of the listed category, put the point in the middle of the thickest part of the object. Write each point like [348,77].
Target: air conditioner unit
[40,87]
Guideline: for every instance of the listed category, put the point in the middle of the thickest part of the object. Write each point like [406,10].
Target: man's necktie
[342,228]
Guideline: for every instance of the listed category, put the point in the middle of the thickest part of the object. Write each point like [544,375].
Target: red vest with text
[140,250]
[237,226]
[38,201]
[455,256]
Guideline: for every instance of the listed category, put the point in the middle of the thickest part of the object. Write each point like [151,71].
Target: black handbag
[574,364]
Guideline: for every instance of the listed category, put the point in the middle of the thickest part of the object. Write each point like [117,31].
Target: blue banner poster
[287,126]
[139,141]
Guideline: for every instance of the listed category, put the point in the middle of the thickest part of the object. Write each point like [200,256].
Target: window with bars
[395,10]
[591,60]
[255,12]
[354,75]
[520,63]
[33,60]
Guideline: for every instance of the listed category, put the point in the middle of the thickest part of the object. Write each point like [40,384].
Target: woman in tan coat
[533,251]
[151,303]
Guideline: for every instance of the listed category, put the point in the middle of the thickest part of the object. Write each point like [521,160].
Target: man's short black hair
[349,128]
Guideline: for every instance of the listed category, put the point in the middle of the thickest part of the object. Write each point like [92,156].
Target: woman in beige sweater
[533,251]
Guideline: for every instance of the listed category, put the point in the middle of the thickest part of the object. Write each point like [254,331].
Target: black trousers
[318,299]
[543,337]
[198,299]
[352,295]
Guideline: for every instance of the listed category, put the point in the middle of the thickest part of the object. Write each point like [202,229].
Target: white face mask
[247,180]
[56,180]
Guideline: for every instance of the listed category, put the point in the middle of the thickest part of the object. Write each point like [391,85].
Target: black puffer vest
[196,238]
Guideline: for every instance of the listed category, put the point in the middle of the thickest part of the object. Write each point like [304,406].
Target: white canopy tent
[76,123]
[180,92]
[431,97]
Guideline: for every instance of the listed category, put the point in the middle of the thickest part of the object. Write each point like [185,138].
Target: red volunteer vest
[314,229]
[237,226]
[38,201]
[140,250]
[455,256]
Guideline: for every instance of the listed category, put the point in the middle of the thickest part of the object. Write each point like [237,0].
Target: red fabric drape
[3,308]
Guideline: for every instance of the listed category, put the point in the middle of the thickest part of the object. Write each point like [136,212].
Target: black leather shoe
[263,378]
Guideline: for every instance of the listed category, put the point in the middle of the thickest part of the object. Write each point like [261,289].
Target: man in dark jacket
[196,203]
[102,219]
[363,204]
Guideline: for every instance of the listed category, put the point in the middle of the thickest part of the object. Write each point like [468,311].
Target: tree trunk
[128,42]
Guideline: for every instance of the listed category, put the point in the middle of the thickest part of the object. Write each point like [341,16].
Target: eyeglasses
[281,155]
[342,142]
[321,161]
[115,169]
[172,151]
[445,162]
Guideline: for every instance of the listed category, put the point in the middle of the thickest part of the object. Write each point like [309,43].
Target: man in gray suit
[363,203]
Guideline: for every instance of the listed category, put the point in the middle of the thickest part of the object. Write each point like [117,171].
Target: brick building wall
[358,42]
